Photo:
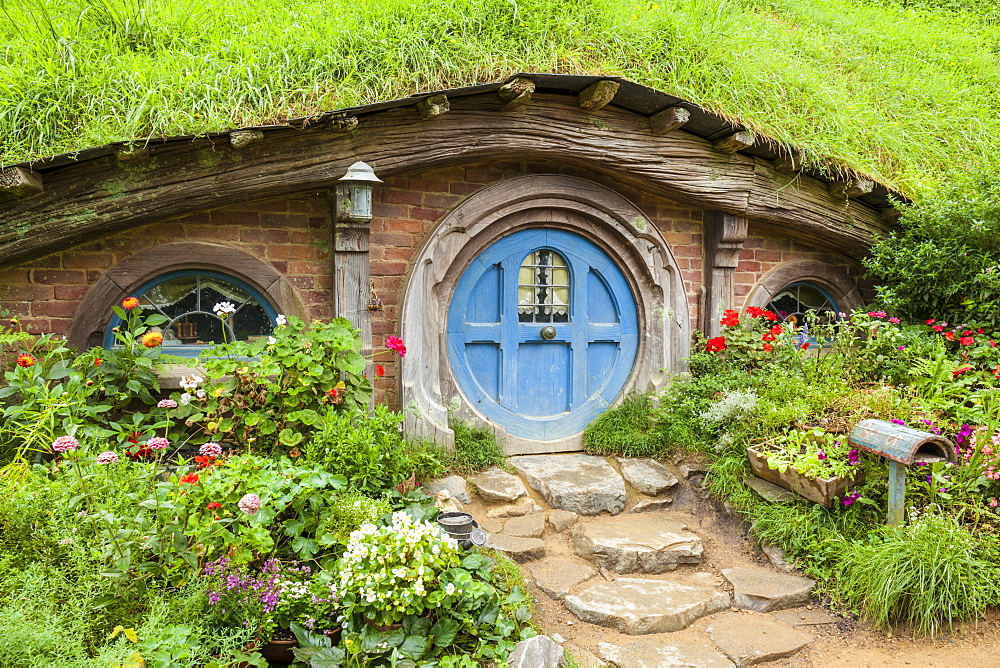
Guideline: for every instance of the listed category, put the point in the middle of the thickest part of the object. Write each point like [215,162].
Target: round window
[188,300]
[793,301]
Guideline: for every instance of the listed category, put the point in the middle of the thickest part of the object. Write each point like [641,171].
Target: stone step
[556,577]
[639,606]
[644,543]
[497,486]
[748,638]
[675,654]
[647,475]
[520,550]
[765,591]
[582,484]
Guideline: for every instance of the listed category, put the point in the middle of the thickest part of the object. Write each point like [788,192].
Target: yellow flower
[151,339]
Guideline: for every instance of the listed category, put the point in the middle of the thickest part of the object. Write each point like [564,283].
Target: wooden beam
[433,106]
[668,120]
[891,215]
[680,166]
[20,182]
[789,162]
[517,93]
[240,138]
[735,142]
[851,187]
[132,153]
[597,95]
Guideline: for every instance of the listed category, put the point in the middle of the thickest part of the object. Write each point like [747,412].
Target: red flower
[755,311]
[768,347]
[141,453]
[768,315]
[130,303]
[966,340]
[395,343]
[191,478]
[981,330]
[950,336]
[938,328]
[716,344]
[379,370]
[98,362]
[333,393]
[804,346]
[930,321]
[730,318]
[993,344]
[767,337]
[25,360]
[203,460]
[213,505]
[967,332]
[777,330]
[996,371]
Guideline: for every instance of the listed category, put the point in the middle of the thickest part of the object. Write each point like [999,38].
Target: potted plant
[814,464]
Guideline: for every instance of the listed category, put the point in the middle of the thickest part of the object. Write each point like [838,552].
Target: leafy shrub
[351,511]
[928,574]
[627,429]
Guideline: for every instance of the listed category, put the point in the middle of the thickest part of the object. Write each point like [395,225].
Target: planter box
[818,490]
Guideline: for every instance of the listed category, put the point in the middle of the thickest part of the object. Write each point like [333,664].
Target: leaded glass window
[188,299]
[543,288]
[793,301]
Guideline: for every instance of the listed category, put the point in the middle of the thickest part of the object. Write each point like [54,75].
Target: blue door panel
[537,387]
[543,374]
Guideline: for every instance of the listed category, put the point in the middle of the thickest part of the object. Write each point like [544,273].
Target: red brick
[309,206]
[284,220]
[289,252]
[318,223]
[476,175]
[746,254]
[224,217]
[742,290]
[428,185]
[76,260]
[397,253]
[400,182]
[54,309]
[383,210]
[436,201]
[304,236]
[50,262]
[267,236]
[392,239]
[388,268]
[404,225]
[425,214]
[692,276]
[34,325]
[446,173]
[280,267]
[686,251]
[307,267]
[767,256]
[25,293]
[213,233]
[302,282]
[749,265]
[269,206]
[58,277]
[395,196]
[71,292]
[462,188]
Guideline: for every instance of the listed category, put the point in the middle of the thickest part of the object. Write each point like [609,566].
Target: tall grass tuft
[905,93]
[628,429]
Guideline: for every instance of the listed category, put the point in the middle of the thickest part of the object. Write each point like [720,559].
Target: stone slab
[749,638]
[526,526]
[497,486]
[583,658]
[638,606]
[537,652]
[562,519]
[556,577]
[523,506]
[652,505]
[457,487]
[762,590]
[582,484]
[647,475]
[520,550]
[675,654]
[805,617]
[643,543]
[769,491]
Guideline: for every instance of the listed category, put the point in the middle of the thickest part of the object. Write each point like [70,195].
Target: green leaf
[444,632]
[413,646]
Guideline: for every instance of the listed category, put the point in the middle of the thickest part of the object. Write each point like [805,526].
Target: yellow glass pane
[560,276]
[557,260]
[560,296]
[525,295]
[526,276]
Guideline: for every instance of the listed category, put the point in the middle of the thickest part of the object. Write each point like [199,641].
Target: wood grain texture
[598,95]
[669,120]
[98,197]
[433,106]
[20,182]
[735,142]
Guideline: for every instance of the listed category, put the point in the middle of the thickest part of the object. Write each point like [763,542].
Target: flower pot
[407,485]
[279,650]
[819,490]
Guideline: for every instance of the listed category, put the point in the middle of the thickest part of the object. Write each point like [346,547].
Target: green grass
[476,449]
[906,94]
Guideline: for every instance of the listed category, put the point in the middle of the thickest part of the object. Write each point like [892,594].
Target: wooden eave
[110,188]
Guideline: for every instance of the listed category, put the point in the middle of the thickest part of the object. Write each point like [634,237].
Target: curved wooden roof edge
[657,141]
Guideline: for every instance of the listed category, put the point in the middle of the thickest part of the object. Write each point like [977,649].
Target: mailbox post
[903,447]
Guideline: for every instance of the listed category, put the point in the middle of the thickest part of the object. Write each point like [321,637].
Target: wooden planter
[819,490]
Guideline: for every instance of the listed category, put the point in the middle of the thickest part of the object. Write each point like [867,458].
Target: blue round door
[542,333]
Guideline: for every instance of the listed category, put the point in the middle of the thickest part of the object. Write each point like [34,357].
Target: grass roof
[906,94]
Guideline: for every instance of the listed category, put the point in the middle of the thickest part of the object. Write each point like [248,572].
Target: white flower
[271,340]
[185,398]
[200,394]
[224,309]
[450,589]
[280,321]
[190,383]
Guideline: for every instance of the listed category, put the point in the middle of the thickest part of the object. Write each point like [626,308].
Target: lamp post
[354,193]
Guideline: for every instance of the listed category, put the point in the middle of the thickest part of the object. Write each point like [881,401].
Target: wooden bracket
[20,182]
[132,153]
[516,93]
[597,95]
[851,187]
[433,106]
[725,234]
[240,138]
[789,162]
[668,120]
[735,142]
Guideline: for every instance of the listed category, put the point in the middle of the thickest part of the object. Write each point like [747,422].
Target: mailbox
[903,446]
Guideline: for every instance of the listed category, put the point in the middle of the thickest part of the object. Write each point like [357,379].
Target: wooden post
[724,237]
[517,93]
[668,120]
[735,142]
[598,95]
[351,275]
[433,106]
[20,182]
[897,492]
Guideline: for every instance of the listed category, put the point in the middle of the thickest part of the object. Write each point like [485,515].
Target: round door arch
[542,333]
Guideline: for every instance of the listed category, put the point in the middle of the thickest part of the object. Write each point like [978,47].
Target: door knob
[548,332]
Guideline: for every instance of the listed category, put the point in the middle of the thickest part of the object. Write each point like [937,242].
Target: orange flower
[130,303]
[191,478]
[151,339]
[768,347]
[996,371]
[25,360]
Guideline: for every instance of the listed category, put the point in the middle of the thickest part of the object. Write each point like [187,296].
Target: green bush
[476,448]
[627,429]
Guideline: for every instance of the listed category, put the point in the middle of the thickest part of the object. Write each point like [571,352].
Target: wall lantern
[354,193]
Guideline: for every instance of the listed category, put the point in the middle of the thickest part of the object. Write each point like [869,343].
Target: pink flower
[894,321]
[994,503]
[157,443]
[65,444]
[249,504]
[107,457]
[210,449]
[395,343]
[166,403]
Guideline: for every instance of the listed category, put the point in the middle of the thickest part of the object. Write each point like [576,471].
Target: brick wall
[291,234]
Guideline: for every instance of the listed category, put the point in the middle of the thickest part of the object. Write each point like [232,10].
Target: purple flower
[852,457]
[900,347]
[821,456]
[65,444]
[107,457]
[851,498]
[895,421]
[157,443]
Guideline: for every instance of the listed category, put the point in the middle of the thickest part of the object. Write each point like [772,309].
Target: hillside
[904,94]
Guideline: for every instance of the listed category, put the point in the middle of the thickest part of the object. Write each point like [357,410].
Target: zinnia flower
[894,321]
[938,328]
[107,457]
[395,343]
[379,370]
[25,360]
[98,362]
[930,321]
[767,347]
[994,503]
[190,478]
[166,403]
[130,303]
[151,339]
[65,444]
[966,341]
[249,504]
[716,344]
[213,505]
[157,443]
[950,336]
[210,449]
